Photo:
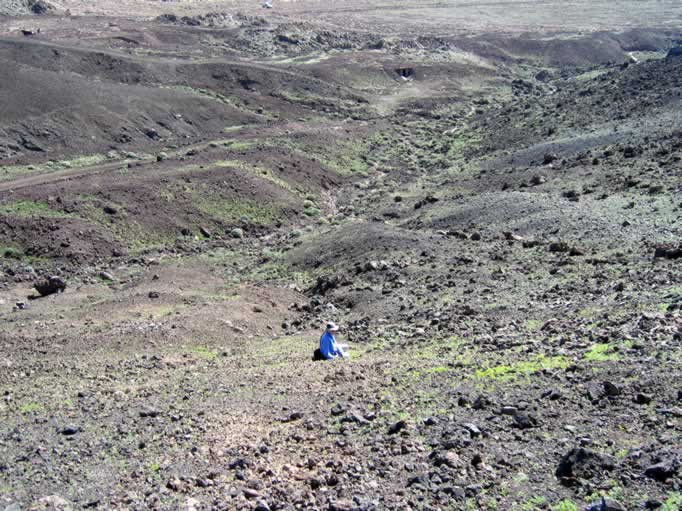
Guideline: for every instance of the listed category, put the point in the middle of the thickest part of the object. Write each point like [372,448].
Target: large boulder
[50,286]
[582,463]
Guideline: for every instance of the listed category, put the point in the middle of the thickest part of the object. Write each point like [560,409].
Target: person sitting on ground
[329,349]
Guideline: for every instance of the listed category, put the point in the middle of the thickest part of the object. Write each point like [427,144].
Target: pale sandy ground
[444,16]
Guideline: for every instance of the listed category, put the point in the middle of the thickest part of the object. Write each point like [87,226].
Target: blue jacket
[328,346]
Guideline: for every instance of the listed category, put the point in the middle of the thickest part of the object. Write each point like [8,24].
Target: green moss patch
[27,209]
[601,352]
[522,368]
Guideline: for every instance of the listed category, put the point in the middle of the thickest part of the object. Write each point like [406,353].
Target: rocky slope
[494,221]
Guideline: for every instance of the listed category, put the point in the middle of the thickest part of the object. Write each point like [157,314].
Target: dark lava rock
[397,427]
[582,463]
[473,430]
[549,158]
[480,403]
[552,395]
[559,246]
[429,199]
[106,276]
[538,180]
[338,409]
[643,399]
[668,252]
[594,392]
[149,412]
[295,416]
[110,210]
[421,480]
[448,458]
[661,471]
[262,506]
[50,286]
[524,421]
[39,7]
[430,421]
[251,494]
[611,389]
[630,152]
[238,464]
[70,430]
[154,294]
[605,504]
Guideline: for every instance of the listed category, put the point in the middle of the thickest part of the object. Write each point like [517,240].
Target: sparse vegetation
[490,215]
[565,505]
[601,352]
[522,368]
[27,209]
